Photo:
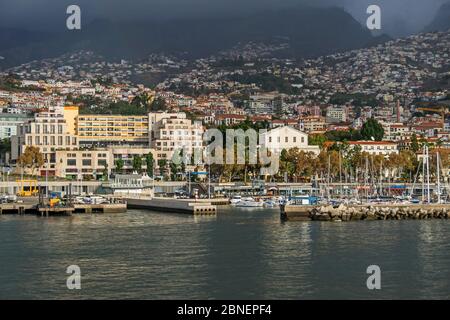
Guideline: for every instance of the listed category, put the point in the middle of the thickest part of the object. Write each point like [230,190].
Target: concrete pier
[188,206]
[101,208]
[31,206]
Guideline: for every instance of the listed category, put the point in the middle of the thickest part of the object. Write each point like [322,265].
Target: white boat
[271,203]
[249,203]
[235,200]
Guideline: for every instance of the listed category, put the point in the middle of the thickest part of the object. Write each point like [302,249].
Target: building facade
[9,123]
[285,138]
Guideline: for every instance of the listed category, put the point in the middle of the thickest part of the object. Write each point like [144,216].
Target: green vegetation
[317,140]
[32,158]
[150,163]
[12,83]
[357,99]
[372,130]
[266,81]
[119,165]
[347,135]
[137,163]
[414,143]
[5,146]
[141,105]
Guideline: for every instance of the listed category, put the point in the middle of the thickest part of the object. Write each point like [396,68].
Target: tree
[119,165]
[137,163]
[162,164]
[414,143]
[372,129]
[317,139]
[105,172]
[173,171]
[150,162]
[5,146]
[159,104]
[31,158]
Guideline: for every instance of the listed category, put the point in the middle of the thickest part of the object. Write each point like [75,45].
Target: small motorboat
[235,200]
[249,203]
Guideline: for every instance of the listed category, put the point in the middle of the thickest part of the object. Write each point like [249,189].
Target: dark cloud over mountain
[400,17]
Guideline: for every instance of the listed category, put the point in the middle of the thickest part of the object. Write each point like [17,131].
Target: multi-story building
[9,123]
[396,131]
[156,117]
[103,130]
[229,119]
[266,103]
[83,164]
[376,147]
[49,132]
[313,124]
[336,114]
[62,136]
[176,133]
[278,139]
[95,164]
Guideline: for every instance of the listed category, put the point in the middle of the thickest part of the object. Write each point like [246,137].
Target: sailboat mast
[438,176]
[423,176]
[428,176]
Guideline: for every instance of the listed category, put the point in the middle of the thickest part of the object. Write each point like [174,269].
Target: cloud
[398,16]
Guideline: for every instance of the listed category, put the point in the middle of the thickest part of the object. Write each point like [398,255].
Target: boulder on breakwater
[349,213]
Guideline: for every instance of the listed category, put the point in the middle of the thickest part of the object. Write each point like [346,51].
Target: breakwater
[367,212]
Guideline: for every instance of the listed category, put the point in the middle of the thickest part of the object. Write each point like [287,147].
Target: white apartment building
[264,103]
[336,114]
[48,131]
[94,164]
[176,133]
[286,138]
[396,131]
[376,147]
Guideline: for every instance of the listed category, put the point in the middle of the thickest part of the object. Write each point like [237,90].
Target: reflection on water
[245,254]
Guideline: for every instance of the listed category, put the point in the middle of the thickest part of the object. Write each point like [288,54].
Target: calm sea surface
[245,254]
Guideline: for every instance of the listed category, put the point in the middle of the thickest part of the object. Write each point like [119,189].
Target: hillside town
[91,119]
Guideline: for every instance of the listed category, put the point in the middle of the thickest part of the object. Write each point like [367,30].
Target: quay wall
[172,205]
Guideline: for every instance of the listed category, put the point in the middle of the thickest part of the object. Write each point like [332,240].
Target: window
[270,139]
[295,139]
[101,162]
[87,162]
[303,139]
[286,139]
[60,141]
[71,162]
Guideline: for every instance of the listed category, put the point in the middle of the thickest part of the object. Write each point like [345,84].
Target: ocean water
[238,254]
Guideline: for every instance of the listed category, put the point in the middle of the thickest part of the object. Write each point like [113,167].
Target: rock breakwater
[350,213]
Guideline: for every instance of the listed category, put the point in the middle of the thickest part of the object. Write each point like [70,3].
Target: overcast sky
[398,16]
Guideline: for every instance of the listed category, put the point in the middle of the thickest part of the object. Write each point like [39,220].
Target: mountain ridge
[311,32]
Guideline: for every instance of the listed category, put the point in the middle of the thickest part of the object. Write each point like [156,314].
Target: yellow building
[70,114]
[100,129]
